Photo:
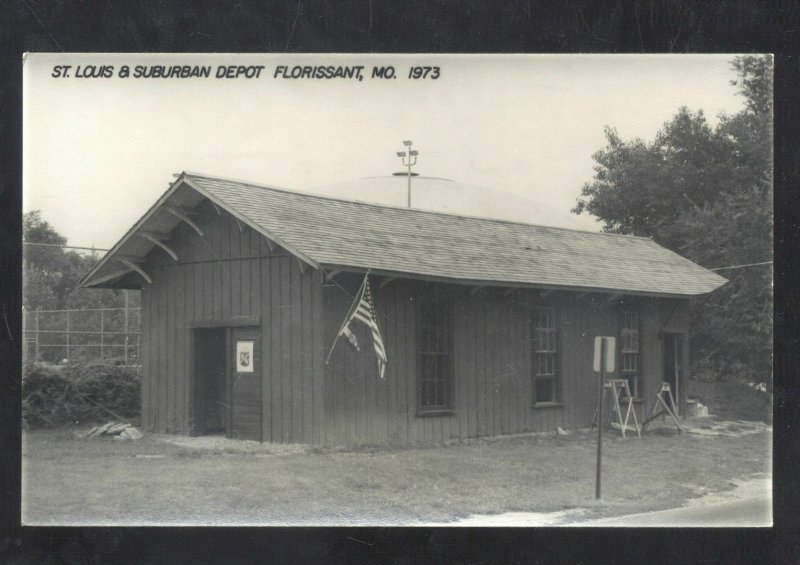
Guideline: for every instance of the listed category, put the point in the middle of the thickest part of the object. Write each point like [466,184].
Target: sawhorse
[615,386]
[663,408]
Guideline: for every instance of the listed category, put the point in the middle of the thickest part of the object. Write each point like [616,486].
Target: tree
[706,193]
[643,188]
[43,264]
[36,230]
[52,272]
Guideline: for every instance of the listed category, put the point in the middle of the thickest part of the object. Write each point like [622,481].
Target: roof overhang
[125,258]
[335,268]
[271,210]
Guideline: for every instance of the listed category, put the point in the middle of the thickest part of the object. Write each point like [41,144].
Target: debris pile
[728,428]
[114,429]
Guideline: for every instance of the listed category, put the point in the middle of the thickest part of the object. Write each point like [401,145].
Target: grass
[153,481]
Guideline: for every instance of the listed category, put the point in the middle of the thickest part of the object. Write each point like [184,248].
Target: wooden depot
[615,386]
[484,322]
[662,408]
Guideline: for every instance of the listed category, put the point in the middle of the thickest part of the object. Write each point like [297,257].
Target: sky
[98,151]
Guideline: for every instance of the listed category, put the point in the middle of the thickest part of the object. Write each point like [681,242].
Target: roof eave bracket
[134,267]
[183,215]
[160,243]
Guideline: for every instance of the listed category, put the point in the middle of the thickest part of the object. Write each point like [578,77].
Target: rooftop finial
[412,160]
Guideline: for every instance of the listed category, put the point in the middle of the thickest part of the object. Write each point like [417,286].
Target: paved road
[747,512]
[747,505]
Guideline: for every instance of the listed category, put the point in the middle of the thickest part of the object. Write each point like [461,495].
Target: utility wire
[742,266]
[62,246]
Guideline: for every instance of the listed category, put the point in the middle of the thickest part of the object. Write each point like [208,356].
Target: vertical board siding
[170,384]
[317,355]
[163,360]
[145,315]
[227,274]
[263,283]
[297,398]
[492,362]
[246,416]
[284,297]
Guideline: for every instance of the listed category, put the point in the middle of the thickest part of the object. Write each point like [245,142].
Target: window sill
[540,405]
[440,412]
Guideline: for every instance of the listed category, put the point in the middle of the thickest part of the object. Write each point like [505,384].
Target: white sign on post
[611,349]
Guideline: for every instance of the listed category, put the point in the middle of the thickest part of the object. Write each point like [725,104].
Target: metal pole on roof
[412,160]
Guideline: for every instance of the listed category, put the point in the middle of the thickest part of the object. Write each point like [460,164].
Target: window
[629,354]
[545,371]
[434,351]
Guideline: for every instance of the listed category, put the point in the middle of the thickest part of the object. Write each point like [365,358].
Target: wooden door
[673,366]
[246,379]
[210,414]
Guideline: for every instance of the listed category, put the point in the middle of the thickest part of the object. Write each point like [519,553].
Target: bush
[54,395]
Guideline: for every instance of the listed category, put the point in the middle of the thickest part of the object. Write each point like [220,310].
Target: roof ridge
[403,208]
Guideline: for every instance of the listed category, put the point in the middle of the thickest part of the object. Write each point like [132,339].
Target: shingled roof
[336,234]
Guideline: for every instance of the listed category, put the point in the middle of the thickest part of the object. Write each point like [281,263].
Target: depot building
[488,325]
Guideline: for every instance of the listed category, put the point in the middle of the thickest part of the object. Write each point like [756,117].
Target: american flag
[365,312]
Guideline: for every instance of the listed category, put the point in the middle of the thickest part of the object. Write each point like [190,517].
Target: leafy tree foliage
[52,273]
[706,193]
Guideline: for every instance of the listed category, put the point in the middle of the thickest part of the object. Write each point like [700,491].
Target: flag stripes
[364,311]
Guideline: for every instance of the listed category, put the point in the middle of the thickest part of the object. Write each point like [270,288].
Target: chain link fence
[62,322]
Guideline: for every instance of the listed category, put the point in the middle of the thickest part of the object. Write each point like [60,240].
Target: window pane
[444,367]
[630,321]
[631,384]
[545,364]
[630,350]
[544,390]
[434,331]
[544,343]
[427,392]
[427,365]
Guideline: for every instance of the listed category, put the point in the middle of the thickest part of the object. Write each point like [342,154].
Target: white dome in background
[443,195]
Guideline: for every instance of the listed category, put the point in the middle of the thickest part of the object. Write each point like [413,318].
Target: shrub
[55,395]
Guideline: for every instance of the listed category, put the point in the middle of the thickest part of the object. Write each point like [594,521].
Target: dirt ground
[171,480]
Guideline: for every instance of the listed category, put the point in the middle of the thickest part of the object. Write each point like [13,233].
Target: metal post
[677,362]
[102,333]
[125,294]
[600,417]
[409,184]
[36,346]
[139,335]
[67,335]
[412,160]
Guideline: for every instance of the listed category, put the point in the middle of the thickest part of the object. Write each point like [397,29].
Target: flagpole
[349,315]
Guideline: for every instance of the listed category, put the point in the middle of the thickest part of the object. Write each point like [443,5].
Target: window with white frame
[629,351]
